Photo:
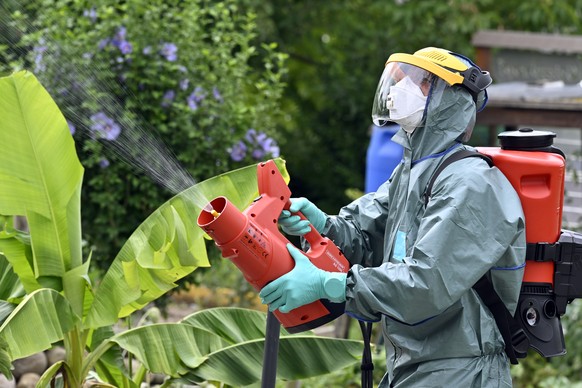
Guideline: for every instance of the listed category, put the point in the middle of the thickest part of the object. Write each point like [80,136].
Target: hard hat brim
[448,76]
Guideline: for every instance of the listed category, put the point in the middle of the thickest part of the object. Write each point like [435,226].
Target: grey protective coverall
[413,266]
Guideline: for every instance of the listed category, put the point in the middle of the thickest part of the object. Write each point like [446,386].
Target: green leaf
[10,286]
[40,174]
[19,255]
[299,357]
[169,348]
[167,246]
[109,366]
[233,324]
[6,309]
[76,282]
[5,361]
[48,374]
[39,321]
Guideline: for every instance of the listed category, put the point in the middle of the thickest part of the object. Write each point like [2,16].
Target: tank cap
[526,139]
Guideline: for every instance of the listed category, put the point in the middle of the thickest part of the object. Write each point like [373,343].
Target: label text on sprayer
[336,263]
[256,241]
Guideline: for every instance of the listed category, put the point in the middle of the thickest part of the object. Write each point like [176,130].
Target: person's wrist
[334,286]
[320,221]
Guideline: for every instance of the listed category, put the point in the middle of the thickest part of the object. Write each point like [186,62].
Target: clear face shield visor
[401,95]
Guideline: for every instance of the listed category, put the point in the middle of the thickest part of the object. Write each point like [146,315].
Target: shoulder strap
[516,340]
[462,154]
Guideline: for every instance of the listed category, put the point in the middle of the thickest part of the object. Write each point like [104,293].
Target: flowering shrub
[167,88]
[258,145]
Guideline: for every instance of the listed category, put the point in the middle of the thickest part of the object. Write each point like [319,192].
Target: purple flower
[238,151]
[199,94]
[192,102]
[168,98]
[104,127]
[103,43]
[196,97]
[91,14]
[104,163]
[258,153]
[72,127]
[147,50]
[261,144]
[271,147]
[184,84]
[217,95]
[39,50]
[169,51]
[119,36]
[125,47]
[251,135]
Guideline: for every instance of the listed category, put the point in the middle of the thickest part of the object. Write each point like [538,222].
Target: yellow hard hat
[453,68]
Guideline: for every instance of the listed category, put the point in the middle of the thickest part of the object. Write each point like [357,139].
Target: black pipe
[271,351]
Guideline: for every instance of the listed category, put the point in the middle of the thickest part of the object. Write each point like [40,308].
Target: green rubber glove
[293,225]
[302,285]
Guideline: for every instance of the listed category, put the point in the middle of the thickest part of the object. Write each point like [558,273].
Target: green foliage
[167,88]
[337,50]
[40,177]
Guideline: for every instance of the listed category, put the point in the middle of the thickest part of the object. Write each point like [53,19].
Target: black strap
[516,340]
[367,365]
[462,154]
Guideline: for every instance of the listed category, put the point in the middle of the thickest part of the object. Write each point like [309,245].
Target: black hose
[269,377]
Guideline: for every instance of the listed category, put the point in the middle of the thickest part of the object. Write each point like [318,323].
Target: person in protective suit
[414,263]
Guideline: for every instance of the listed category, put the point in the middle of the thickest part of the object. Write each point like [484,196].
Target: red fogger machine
[252,241]
[553,271]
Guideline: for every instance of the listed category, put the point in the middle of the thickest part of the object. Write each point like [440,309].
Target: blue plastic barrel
[382,157]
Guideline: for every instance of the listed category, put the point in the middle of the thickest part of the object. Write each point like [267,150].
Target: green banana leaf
[39,321]
[5,362]
[233,324]
[10,288]
[110,365]
[167,246]
[226,344]
[169,348]
[19,254]
[40,176]
[299,357]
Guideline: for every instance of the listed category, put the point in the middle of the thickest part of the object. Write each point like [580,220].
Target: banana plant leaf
[169,348]
[111,363]
[40,320]
[5,362]
[19,254]
[47,193]
[167,246]
[233,324]
[226,345]
[10,288]
[299,357]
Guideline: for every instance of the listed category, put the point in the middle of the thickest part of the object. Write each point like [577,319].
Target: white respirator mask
[405,104]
